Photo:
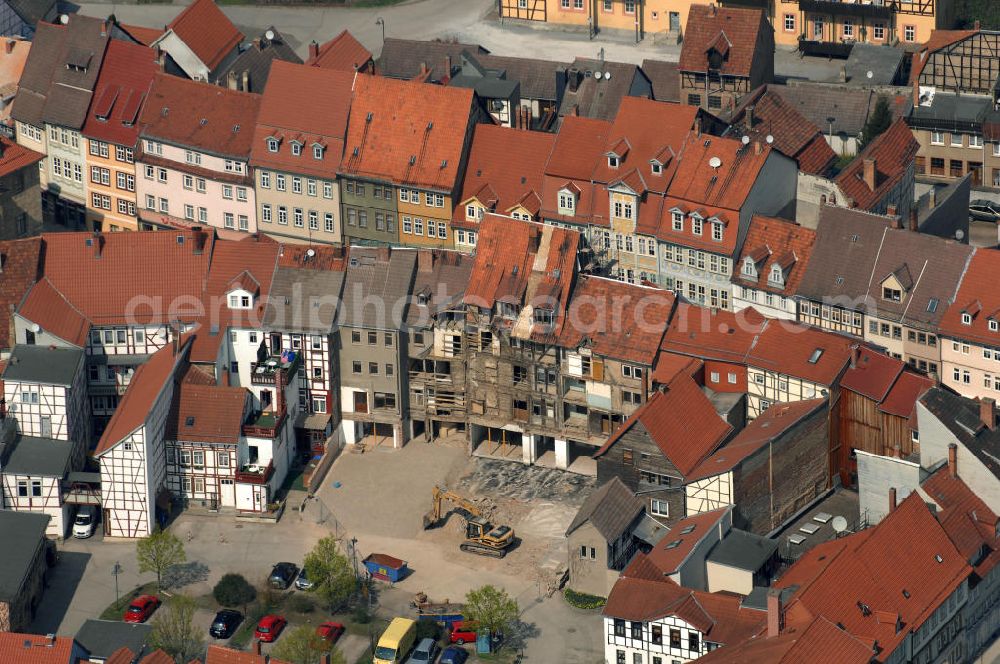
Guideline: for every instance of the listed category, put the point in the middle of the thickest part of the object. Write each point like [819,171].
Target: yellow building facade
[902,22]
[111,202]
[425,218]
[642,17]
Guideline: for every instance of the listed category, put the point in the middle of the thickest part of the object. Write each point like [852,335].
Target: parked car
[453,655]
[282,575]
[141,608]
[225,623]
[302,582]
[330,631]
[462,631]
[269,628]
[424,653]
[83,524]
[984,210]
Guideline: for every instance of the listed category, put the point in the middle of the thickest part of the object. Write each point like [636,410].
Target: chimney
[933,199]
[198,237]
[916,93]
[711,9]
[891,209]
[892,499]
[573,79]
[425,260]
[749,116]
[161,59]
[97,240]
[855,355]
[913,225]
[987,412]
[843,74]
[447,66]
[231,80]
[11,43]
[953,459]
[976,26]
[757,147]
[246,81]
[313,50]
[869,172]
[775,619]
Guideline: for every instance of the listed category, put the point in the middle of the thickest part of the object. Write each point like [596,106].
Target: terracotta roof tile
[47,307]
[978,296]
[205,30]
[697,182]
[893,152]
[713,334]
[818,642]
[207,413]
[668,365]
[769,241]
[343,53]
[731,30]
[408,134]
[121,89]
[965,517]
[20,266]
[40,651]
[222,655]
[676,545]
[143,35]
[788,349]
[902,398]
[873,374]
[665,78]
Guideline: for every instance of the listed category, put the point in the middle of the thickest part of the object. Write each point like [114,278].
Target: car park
[269,628]
[141,608]
[282,575]
[225,623]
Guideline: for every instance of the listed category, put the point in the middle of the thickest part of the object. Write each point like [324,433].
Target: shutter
[575,365]
[597,369]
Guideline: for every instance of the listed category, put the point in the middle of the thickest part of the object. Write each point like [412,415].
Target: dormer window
[240,300]
[678,220]
[717,231]
[749,269]
[507,309]
[272,145]
[317,151]
[891,294]
[776,276]
[992,325]
[696,224]
[543,316]
[567,202]
[613,161]
[296,149]
[656,167]
[966,318]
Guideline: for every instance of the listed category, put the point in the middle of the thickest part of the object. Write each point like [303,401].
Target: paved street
[462,20]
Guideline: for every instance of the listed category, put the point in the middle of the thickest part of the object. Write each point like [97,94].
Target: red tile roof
[818,642]
[508,163]
[47,307]
[221,655]
[578,145]
[14,157]
[978,296]
[207,117]
[35,649]
[663,226]
[307,105]
[965,517]
[893,152]
[873,374]
[617,320]
[252,259]
[122,86]
[902,398]
[143,35]
[681,421]
[771,424]
[407,132]
[125,656]
[148,381]
[859,580]
[205,30]
[713,334]
[698,183]
[207,413]
[787,348]
[343,53]
[772,241]
[732,31]
[668,365]
[19,268]
[669,558]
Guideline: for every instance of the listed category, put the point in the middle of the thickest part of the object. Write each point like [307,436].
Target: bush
[583,600]
[428,629]
[360,615]
[301,604]
[234,590]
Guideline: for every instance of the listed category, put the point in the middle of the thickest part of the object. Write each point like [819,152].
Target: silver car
[302,582]
[425,652]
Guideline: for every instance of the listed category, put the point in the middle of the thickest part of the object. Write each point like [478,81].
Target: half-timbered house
[34,477]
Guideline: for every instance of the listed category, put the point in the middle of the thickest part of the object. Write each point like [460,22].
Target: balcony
[264,425]
[263,373]
[837,8]
[254,474]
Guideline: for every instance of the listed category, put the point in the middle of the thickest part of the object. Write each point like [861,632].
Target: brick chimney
[987,412]
[892,499]
[855,355]
[11,43]
[757,147]
[711,9]
[891,209]
[313,50]
[953,459]
[231,80]
[447,67]
[914,225]
[869,172]
[775,617]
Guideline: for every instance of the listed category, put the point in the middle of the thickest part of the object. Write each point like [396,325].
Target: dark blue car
[453,655]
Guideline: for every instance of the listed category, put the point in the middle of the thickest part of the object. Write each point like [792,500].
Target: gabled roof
[712,334]
[818,642]
[665,78]
[21,533]
[35,648]
[32,11]
[977,289]
[682,537]
[611,509]
[966,518]
[207,117]
[578,145]
[251,69]
[384,273]
[872,374]
[206,31]
[406,133]
[48,365]
[103,638]
[939,39]
[343,53]
[961,417]
[48,308]
[766,428]
[893,152]
[727,186]
[681,421]
[141,34]
[20,265]
[733,31]
[600,98]
[405,58]
[121,90]
[125,655]
[222,655]
[206,414]
[802,352]
[439,284]
[12,60]
[772,241]
[904,393]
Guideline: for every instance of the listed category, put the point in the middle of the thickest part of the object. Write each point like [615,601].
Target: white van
[86,519]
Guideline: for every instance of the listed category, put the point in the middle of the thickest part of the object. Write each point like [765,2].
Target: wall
[589,575]
[66,146]
[120,166]
[612,464]
[723,578]
[438,216]
[877,474]
[26,136]
[354,203]
[316,196]
[812,192]
[183,56]
[20,204]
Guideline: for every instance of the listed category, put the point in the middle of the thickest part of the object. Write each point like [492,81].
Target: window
[619,624]
[297,217]
[878,31]
[272,145]
[693,640]
[317,151]
[717,232]
[189,212]
[36,488]
[937,138]
[659,507]
[975,141]
[636,630]
[265,213]
[227,191]
[296,148]
[327,190]
[675,638]
[313,220]
[230,221]
[164,206]
[956,140]
[966,319]
[848,28]
[200,185]
[244,222]
[161,174]
[567,202]
[789,22]
[909,33]
[386,400]
[296,185]
[356,367]
[891,294]
[328,222]
[678,221]
[696,224]
[279,182]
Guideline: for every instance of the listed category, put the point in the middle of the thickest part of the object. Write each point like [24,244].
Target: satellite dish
[598,75]
[270,36]
[715,162]
[959,234]
[310,252]
[870,74]
[36,328]
[745,140]
[64,18]
[839,524]
[769,139]
[607,76]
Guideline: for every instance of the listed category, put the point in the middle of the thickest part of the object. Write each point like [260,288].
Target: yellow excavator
[481,537]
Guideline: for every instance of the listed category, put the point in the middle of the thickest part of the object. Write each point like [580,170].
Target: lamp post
[115,571]
[381,22]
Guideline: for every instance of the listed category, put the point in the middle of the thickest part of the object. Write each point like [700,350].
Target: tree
[878,121]
[491,607]
[174,630]
[159,552]
[330,572]
[303,646]
[234,590]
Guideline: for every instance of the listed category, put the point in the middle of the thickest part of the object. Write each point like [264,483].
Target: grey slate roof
[948,108]
[442,277]
[600,99]
[42,364]
[385,276]
[20,532]
[611,508]
[54,92]
[743,550]
[537,77]
[255,59]
[961,417]
[32,11]
[848,106]
[665,78]
[101,638]
[883,61]
[303,300]
[39,457]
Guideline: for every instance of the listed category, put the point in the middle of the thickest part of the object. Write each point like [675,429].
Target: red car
[330,631]
[141,608]
[463,631]
[269,628]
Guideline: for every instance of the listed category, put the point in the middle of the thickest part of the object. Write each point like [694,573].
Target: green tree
[174,630]
[234,590]
[878,121]
[303,646]
[492,608]
[330,572]
[159,552]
